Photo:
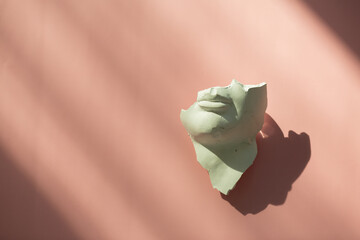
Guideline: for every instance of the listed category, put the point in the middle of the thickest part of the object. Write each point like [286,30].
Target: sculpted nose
[210,93]
[213,91]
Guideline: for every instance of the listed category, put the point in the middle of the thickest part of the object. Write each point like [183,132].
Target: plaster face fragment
[223,124]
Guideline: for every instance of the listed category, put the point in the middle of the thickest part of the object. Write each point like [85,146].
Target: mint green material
[223,124]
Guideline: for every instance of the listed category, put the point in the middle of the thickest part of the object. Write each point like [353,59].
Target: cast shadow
[343,17]
[25,213]
[279,162]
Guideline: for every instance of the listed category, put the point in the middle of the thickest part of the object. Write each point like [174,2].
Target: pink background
[91,145]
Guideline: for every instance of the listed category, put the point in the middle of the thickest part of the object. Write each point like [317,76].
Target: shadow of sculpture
[279,162]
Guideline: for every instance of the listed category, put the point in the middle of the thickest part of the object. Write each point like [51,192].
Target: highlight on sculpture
[222,125]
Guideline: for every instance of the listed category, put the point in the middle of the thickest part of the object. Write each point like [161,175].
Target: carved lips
[213,103]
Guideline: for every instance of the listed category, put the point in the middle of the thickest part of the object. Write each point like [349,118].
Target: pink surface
[91,142]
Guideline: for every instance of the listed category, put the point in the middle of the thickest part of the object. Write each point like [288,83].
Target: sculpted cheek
[223,123]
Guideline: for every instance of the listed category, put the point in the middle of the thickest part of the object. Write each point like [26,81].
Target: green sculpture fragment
[223,124]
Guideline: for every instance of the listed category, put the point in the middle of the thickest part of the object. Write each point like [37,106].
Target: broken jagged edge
[223,124]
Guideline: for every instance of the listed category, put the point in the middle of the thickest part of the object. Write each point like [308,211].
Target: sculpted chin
[223,124]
